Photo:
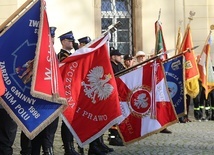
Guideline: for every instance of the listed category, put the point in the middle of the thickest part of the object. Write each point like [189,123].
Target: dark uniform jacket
[117,67]
[63,54]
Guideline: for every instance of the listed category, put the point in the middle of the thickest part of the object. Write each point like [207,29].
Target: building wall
[74,15]
[200,24]
[7,7]
[83,18]
[66,15]
[151,10]
[173,11]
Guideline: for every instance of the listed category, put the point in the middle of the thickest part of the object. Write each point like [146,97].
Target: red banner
[191,68]
[145,102]
[205,67]
[91,92]
[46,81]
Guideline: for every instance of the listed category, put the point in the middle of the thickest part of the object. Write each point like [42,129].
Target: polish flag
[145,102]
[91,92]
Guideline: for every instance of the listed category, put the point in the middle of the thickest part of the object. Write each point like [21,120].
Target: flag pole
[211,28]
[178,38]
[191,13]
[15,14]
[112,28]
[188,27]
[159,14]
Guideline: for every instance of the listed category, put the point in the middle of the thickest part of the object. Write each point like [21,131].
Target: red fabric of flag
[91,92]
[205,67]
[191,69]
[46,81]
[145,102]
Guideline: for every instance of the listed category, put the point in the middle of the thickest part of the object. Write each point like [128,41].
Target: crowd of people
[203,110]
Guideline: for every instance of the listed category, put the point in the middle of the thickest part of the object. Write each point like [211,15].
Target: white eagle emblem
[141,101]
[98,84]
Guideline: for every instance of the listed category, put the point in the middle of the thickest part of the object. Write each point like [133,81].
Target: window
[112,12]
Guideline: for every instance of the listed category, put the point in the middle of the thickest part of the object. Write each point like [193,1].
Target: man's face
[67,44]
[129,63]
[140,58]
[118,58]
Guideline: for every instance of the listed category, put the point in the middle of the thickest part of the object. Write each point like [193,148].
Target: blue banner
[17,49]
[174,69]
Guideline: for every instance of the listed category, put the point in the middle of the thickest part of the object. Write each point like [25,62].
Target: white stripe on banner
[135,76]
[148,125]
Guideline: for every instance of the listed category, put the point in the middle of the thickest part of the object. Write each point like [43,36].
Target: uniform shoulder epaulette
[62,55]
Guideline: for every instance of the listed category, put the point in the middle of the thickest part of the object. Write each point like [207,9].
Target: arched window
[113,11]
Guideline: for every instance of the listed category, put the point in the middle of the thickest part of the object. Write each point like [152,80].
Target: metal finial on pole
[191,13]
[159,14]
[211,27]
[112,28]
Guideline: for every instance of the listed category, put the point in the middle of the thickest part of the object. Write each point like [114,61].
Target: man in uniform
[46,137]
[116,59]
[83,41]
[67,40]
[50,130]
[8,130]
[97,146]
[117,66]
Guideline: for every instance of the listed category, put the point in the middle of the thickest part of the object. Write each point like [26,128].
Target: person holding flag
[191,68]
[205,67]
[83,41]
[160,47]
[44,138]
[97,146]
[67,41]
[8,130]
[117,66]
[212,105]
[8,127]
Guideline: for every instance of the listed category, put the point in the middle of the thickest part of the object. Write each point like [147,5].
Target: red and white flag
[46,81]
[91,92]
[205,67]
[145,102]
